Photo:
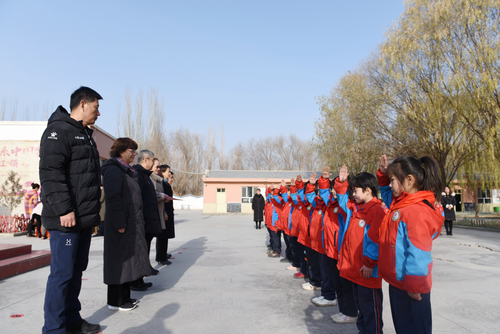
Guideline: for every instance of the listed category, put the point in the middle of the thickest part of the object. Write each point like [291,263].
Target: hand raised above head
[312,178]
[382,164]
[343,174]
[326,173]
[292,182]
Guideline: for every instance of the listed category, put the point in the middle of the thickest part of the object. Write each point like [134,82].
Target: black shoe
[154,271]
[138,287]
[133,301]
[83,327]
[148,284]
[165,263]
[72,332]
[169,256]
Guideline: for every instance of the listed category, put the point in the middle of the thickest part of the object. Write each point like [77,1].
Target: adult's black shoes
[138,287]
[165,263]
[83,327]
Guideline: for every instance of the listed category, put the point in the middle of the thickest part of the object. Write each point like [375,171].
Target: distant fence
[13,224]
[478,222]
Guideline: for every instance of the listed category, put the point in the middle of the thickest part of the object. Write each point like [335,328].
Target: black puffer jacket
[149,200]
[69,173]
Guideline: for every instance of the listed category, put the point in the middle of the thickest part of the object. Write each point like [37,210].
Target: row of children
[344,240]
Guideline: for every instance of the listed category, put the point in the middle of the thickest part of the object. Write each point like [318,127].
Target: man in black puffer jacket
[69,175]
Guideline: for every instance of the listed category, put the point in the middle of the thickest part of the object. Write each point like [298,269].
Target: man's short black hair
[83,93]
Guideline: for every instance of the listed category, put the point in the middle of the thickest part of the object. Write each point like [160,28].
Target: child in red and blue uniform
[299,219]
[293,227]
[268,218]
[335,223]
[285,216]
[411,189]
[318,244]
[310,235]
[367,213]
[275,233]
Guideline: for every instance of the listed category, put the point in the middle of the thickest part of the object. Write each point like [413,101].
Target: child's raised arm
[341,186]
[310,190]
[324,185]
[384,181]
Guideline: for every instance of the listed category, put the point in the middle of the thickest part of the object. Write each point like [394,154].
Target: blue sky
[254,67]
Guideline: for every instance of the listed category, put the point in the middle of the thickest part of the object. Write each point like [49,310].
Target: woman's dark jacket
[149,200]
[169,232]
[125,254]
[449,214]
[69,173]
[258,204]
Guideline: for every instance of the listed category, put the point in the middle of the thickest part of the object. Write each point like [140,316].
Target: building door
[458,199]
[221,200]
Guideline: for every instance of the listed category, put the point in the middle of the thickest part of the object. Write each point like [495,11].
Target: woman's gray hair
[144,154]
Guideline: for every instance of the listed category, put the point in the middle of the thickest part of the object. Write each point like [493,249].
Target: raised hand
[283,183]
[299,178]
[382,164]
[343,174]
[312,178]
[326,173]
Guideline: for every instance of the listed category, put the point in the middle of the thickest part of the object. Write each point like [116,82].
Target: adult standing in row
[258,204]
[162,257]
[145,161]
[125,249]
[69,175]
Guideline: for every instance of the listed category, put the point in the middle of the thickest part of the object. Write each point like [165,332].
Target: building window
[247,194]
[221,190]
[483,196]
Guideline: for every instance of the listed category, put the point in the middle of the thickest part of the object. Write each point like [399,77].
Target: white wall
[194,202]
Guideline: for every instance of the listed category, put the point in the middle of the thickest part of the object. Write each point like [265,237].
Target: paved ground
[222,281]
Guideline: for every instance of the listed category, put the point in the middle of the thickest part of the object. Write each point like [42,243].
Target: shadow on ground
[167,279]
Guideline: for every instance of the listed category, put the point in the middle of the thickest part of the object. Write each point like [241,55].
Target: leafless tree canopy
[190,154]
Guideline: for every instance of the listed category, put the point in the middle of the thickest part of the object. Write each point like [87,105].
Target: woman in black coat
[169,232]
[258,204]
[125,249]
[449,203]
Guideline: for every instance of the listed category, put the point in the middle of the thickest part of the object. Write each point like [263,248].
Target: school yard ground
[221,281]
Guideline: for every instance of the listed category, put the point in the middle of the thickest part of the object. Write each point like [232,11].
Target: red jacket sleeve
[383,179]
[323,183]
[341,187]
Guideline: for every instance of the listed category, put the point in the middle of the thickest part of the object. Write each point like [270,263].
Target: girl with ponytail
[411,189]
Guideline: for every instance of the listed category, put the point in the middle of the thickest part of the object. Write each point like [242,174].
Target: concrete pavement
[221,281]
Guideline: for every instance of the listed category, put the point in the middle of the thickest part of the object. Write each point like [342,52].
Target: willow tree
[430,87]
[342,134]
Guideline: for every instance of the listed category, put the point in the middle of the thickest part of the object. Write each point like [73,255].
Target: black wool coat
[149,200]
[69,173]
[169,231]
[258,204]
[449,214]
[125,254]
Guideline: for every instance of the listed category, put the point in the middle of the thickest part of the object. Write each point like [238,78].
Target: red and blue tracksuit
[405,244]
[298,214]
[367,292]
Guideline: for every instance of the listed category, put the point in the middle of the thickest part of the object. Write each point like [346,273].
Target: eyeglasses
[131,150]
